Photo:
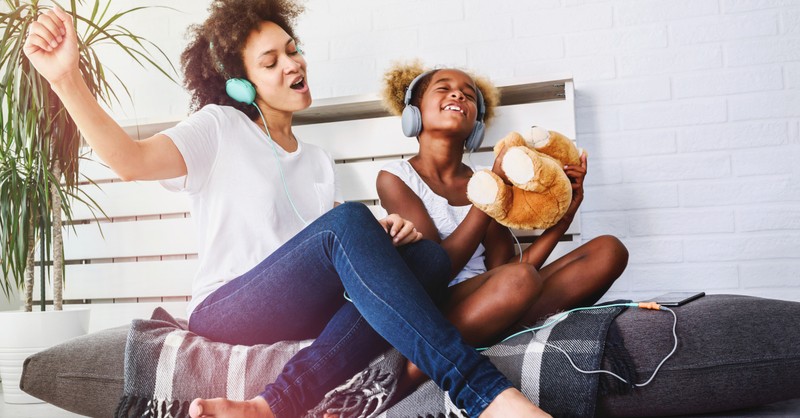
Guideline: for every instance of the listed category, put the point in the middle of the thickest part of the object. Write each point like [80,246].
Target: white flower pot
[25,333]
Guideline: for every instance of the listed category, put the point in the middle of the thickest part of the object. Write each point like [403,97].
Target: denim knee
[354,212]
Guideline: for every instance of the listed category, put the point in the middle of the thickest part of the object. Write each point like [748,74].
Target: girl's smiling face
[276,68]
[449,104]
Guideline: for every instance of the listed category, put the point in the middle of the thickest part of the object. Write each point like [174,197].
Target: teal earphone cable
[277,159]
[562,316]
[674,348]
[628,304]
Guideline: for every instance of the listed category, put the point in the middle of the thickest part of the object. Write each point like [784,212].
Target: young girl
[274,265]
[492,293]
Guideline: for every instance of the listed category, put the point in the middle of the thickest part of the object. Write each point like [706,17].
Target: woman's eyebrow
[272,51]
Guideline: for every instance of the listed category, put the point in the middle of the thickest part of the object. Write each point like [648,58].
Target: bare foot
[225,408]
[512,403]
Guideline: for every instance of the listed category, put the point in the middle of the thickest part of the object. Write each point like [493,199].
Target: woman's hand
[576,174]
[52,46]
[401,230]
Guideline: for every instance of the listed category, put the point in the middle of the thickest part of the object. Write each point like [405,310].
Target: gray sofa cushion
[82,375]
[734,352]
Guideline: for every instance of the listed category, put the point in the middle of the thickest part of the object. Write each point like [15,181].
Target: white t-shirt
[445,217]
[238,203]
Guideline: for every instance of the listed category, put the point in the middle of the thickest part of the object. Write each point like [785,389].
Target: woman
[492,292]
[261,265]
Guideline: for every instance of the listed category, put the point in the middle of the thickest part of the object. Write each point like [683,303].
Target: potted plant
[39,177]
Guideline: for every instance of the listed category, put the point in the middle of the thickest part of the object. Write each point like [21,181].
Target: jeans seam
[433,349]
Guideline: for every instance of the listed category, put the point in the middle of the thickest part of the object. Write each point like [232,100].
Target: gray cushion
[734,352]
[82,375]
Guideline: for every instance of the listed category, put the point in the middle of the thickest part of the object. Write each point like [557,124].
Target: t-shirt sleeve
[197,139]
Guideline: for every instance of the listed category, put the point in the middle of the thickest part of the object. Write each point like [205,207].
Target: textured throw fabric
[166,366]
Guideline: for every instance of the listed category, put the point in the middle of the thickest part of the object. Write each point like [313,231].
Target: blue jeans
[296,293]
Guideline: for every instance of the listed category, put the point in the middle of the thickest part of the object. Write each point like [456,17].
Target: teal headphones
[411,119]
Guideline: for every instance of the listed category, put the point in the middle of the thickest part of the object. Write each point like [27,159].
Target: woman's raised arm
[52,48]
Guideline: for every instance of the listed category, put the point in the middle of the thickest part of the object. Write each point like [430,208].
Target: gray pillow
[82,375]
[734,352]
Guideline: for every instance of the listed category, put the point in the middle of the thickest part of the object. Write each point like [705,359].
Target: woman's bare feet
[512,403]
[225,408]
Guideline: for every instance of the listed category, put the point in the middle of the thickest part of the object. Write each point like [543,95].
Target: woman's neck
[279,126]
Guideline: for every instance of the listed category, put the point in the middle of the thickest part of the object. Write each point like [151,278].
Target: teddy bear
[534,192]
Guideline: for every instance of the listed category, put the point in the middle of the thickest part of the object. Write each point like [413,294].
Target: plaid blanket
[166,366]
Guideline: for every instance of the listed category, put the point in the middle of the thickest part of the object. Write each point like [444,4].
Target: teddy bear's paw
[482,189]
[521,166]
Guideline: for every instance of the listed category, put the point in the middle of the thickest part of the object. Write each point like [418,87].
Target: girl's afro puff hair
[398,77]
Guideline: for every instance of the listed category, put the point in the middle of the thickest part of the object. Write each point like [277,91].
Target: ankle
[261,407]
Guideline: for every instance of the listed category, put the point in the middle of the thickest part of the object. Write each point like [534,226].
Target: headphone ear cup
[475,137]
[240,90]
[411,121]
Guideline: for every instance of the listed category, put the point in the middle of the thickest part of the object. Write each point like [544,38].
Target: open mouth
[299,84]
[454,108]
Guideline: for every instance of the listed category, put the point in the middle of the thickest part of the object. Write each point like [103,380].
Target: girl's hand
[51,45]
[576,174]
[497,166]
[401,230]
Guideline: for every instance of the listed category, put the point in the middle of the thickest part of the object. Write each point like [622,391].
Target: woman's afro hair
[400,75]
[214,53]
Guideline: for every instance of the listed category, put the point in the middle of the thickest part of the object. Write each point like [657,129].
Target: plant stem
[42,272]
[58,256]
[29,269]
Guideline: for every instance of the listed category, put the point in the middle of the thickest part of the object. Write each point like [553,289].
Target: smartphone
[678,298]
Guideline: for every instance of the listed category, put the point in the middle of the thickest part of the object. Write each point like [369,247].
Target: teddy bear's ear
[538,136]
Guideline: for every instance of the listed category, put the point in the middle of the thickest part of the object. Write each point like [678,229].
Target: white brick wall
[689,109]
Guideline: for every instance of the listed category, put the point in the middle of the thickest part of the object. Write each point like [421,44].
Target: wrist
[66,83]
[566,220]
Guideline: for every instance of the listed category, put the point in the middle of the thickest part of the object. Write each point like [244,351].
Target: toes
[196,408]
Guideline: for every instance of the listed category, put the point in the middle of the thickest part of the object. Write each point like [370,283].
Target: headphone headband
[411,119]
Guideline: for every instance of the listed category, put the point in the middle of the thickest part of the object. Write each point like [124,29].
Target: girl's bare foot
[512,403]
[225,408]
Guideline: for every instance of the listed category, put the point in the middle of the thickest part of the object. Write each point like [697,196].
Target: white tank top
[444,216]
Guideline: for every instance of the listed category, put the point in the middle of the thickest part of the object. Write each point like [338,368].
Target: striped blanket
[166,366]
